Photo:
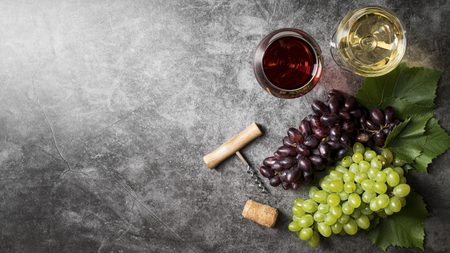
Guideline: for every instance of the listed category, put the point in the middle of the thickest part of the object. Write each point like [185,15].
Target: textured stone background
[107,108]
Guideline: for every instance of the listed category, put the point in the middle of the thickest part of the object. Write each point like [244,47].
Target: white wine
[371,41]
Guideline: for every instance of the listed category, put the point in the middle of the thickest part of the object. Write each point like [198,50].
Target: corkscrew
[233,146]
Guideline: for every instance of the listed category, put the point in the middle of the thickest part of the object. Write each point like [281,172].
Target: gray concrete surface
[107,108]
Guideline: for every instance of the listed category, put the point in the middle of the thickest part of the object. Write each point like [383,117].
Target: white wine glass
[369,41]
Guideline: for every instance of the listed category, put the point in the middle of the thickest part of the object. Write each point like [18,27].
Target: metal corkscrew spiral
[253,176]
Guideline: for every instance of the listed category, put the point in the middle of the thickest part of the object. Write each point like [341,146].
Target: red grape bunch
[325,137]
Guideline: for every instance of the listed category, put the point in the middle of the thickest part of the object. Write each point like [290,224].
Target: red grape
[377,116]
[305,128]
[319,107]
[266,172]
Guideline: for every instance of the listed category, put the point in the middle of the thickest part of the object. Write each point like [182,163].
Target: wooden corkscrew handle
[232,146]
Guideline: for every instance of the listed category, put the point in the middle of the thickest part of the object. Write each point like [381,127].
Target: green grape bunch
[363,184]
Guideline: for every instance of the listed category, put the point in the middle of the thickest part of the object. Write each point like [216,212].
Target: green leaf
[414,85]
[375,90]
[404,109]
[404,229]
[437,142]
[407,140]
[417,85]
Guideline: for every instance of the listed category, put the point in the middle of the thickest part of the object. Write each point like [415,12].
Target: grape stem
[373,132]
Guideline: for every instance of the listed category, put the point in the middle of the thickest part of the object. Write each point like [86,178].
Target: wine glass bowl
[369,41]
[288,63]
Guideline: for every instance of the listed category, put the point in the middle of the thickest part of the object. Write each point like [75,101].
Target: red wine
[289,63]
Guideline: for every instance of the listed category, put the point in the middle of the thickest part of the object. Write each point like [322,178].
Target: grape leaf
[414,85]
[375,90]
[407,140]
[437,142]
[417,85]
[405,228]
[404,109]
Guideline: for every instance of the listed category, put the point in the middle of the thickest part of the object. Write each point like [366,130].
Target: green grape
[382,214]
[380,177]
[401,190]
[319,217]
[379,187]
[306,234]
[324,229]
[358,147]
[341,169]
[295,218]
[320,181]
[312,190]
[314,241]
[348,176]
[349,187]
[357,157]
[382,201]
[359,189]
[343,195]
[373,205]
[343,231]
[362,206]
[402,199]
[336,186]
[344,218]
[393,179]
[402,180]
[354,200]
[367,185]
[323,208]
[356,213]
[354,168]
[298,211]
[336,227]
[306,221]
[336,211]
[366,210]
[363,221]
[364,166]
[368,196]
[382,160]
[351,227]
[371,216]
[329,219]
[320,196]
[328,170]
[395,205]
[369,155]
[388,210]
[375,163]
[398,162]
[361,176]
[346,161]
[388,170]
[333,199]
[336,175]
[346,208]
[314,226]
[325,185]
[294,226]
[310,206]
[298,202]
[399,171]
[387,155]
[372,173]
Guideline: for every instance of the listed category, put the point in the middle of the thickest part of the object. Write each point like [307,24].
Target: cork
[260,213]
